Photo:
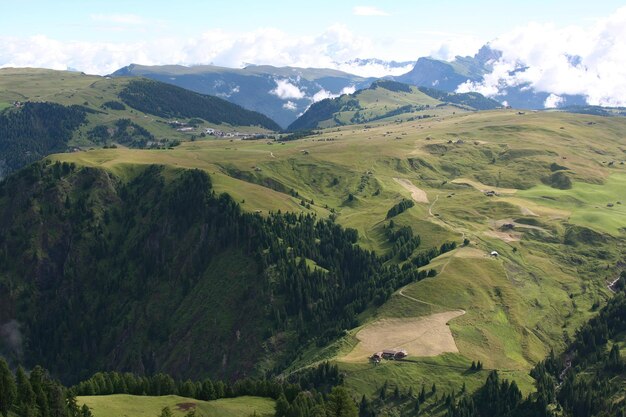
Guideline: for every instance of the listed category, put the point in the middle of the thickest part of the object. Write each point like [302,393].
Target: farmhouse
[393,354]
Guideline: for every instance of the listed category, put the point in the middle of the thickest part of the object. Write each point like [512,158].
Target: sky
[99,37]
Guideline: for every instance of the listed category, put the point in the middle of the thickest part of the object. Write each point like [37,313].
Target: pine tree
[383,391]
[340,404]
[433,389]
[422,396]
[365,408]
[282,406]
[56,400]
[85,411]
[166,412]
[72,405]
[37,378]
[25,394]
[8,389]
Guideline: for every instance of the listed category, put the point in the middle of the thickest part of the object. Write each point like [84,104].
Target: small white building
[494,254]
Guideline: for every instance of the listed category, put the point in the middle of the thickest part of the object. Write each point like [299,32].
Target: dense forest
[474,100]
[138,276]
[165,100]
[392,86]
[35,130]
[123,131]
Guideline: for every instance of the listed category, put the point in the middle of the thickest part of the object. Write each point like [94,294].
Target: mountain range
[284,93]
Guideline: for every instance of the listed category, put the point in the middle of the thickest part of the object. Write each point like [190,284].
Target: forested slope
[162,274]
[34,131]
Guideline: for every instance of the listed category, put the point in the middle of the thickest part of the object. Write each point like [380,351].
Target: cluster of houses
[390,354]
[185,127]
[234,135]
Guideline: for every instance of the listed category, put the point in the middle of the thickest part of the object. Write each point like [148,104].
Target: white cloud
[348,90]
[231,49]
[456,45]
[290,105]
[588,61]
[323,94]
[368,11]
[372,69]
[286,90]
[553,101]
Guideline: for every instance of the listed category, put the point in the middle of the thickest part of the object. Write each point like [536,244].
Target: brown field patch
[186,406]
[419,336]
[417,194]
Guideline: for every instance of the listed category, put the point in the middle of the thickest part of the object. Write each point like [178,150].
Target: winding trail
[430,209]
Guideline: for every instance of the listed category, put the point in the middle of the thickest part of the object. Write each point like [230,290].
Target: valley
[453,230]
[554,259]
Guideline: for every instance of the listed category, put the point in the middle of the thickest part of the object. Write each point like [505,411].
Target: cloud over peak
[588,61]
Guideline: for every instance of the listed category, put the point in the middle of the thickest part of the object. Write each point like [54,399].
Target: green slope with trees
[389,101]
[45,111]
[160,273]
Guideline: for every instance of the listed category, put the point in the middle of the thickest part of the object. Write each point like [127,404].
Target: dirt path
[272,154]
[418,195]
[437,219]
[430,209]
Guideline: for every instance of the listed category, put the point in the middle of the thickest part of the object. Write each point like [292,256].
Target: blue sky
[115,20]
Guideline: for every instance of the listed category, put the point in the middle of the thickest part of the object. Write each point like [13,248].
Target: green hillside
[45,111]
[388,101]
[543,190]
[120,405]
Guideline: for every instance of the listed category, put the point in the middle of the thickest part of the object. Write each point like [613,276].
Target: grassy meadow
[121,405]
[557,248]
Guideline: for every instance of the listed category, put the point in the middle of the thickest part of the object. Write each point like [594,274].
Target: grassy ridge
[121,405]
[106,121]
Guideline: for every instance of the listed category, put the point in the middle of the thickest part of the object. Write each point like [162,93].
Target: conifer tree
[340,404]
[25,393]
[8,390]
